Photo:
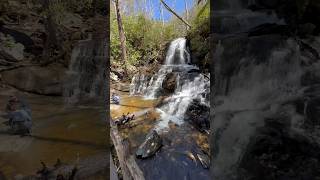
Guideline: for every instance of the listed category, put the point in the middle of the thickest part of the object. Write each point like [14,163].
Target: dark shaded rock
[269,29]
[312,110]
[268,80]
[198,115]
[278,154]
[150,146]
[169,83]
[194,71]
[268,4]
[18,36]
[306,29]
[39,80]
[310,78]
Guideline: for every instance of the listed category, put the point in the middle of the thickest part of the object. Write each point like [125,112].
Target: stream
[160,102]
[68,133]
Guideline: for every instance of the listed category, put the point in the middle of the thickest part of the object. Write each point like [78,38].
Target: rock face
[10,49]
[28,37]
[267,92]
[39,80]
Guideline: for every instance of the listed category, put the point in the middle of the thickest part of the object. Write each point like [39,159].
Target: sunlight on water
[190,85]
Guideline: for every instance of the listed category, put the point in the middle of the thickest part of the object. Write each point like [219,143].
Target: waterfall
[178,48]
[189,85]
[177,59]
[84,78]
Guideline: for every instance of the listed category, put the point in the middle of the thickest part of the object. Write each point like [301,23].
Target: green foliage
[58,8]
[145,38]
[199,34]
[7,41]
[78,6]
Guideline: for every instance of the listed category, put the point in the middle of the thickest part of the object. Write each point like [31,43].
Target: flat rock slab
[39,80]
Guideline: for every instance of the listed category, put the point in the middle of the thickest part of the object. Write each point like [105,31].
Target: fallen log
[174,13]
[129,167]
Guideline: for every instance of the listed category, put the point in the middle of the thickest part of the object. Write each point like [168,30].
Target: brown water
[70,134]
[172,160]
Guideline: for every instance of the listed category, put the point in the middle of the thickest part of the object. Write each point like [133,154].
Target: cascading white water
[84,78]
[186,91]
[178,47]
[189,84]
[177,59]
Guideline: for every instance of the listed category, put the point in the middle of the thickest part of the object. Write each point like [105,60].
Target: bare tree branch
[172,11]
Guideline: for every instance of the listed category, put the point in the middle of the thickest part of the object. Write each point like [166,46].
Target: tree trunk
[121,33]
[161,13]
[51,41]
[187,12]
[94,7]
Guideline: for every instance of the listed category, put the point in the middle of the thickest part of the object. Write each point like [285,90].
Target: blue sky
[177,5]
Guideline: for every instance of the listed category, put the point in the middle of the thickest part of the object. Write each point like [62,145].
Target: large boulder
[10,50]
[169,83]
[71,20]
[39,80]
[198,115]
[150,146]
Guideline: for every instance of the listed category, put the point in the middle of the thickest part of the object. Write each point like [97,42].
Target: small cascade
[186,91]
[188,84]
[139,84]
[84,79]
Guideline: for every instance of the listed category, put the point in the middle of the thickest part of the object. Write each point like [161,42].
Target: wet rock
[198,115]
[20,122]
[310,78]
[39,80]
[204,160]
[312,110]
[281,155]
[122,87]
[194,71]
[306,29]
[150,146]
[169,83]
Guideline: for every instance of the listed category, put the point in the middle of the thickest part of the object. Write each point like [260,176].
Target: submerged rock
[150,146]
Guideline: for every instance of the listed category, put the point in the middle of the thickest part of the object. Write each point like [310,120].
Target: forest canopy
[146,37]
